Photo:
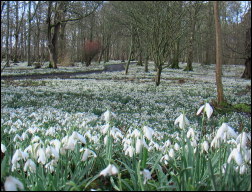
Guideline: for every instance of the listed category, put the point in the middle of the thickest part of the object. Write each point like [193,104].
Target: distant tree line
[166,32]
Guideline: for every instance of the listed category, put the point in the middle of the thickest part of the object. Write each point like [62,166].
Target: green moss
[226,107]
[243,107]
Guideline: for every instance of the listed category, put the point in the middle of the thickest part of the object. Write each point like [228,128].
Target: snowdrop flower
[190,133]
[225,131]
[205,146]
[41,156]
[216,142]
[87,153]
[109,170]
[242,169]
[107,116]
[56,144]
[235,155]
[79,137]
[136,133]
[139,144]
[24,136]
[51,151]
[35,139]
[167,143]
[148,132]
[247,156]
[223,168]
[147,175]
[105,128]
[171,153]
[165,158]
[182,120]
[243,138]
[51,165]
[18,155]
[207,109]
[13,184]
[29,164]
[130,151]
[3,148]
[176,147]
[105,140]
[16,138]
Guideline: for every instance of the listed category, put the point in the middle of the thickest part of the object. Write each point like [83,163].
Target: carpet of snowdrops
[112,131]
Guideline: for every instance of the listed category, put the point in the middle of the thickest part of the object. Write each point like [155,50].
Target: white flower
[225,131]
[176,147]
[243,138]
[235,155]
[35,139]
[24,136]
[41,156]
[130,151]
[147,175]
[207,109]
[148,132]
[13,184]
[139,144]
[109,170]
[29,164]
[51,165]
[105,128]
[79,137]
[215,142]
[107,116]
[165,158]
[19,155]
[17,137]
[242,169]
[87,153]
[205,146]
[171,153]
[182,120]
[190,133]
[3,148]
[56,144]
[136,133]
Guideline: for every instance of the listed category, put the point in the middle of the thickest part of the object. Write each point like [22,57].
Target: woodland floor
[66,75]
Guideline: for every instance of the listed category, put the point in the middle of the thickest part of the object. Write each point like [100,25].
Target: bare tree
[220,95]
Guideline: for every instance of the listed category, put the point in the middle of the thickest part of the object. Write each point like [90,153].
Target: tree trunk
[146,64]
[220,96]
[247,72]
[29,36]
[7,36]
[16,36]
[130,53]
[158,75]
[175,60]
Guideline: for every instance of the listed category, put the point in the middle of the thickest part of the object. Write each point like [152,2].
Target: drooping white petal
[30,165]
[200,109]
[205,146]
[147,175]
[139,144]
[3,148]
[209,110]
[13,184]
[182,120]
[148,132]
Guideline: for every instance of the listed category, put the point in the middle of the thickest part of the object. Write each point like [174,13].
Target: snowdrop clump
[63,128]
